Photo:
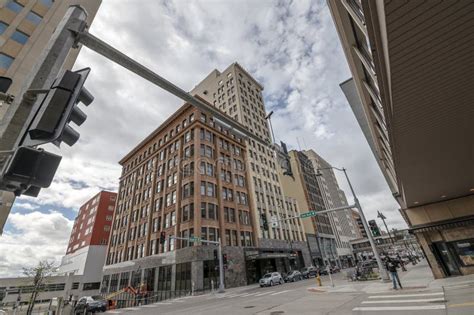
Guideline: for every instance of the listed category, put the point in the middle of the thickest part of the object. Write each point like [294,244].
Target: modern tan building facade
[25,29]
[411,93]
[303,186]
[342,222]
[235,92]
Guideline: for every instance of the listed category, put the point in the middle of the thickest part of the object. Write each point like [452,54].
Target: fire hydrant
[318,280]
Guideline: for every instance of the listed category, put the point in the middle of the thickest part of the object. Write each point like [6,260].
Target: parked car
[293,276]
[271,279]
[323,271]
[90,304]
[335,269]
[308,272]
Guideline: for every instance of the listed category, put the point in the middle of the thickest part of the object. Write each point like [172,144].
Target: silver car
[271,279]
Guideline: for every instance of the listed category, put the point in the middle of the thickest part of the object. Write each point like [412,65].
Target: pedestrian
[402,263]
[391,266]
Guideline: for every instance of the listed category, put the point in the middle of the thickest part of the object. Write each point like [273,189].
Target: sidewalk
[417,277]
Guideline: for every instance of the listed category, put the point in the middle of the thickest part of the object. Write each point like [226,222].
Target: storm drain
[277,312]
[249,306]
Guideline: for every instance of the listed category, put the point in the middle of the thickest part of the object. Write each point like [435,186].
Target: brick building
[187,178]
[86,251]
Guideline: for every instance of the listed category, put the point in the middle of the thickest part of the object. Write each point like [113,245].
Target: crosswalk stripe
[401,308]
[276,293]
[403,295]
[247,294]
[404,301]
[264,293]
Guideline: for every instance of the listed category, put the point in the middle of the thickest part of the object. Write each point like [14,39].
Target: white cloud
[35,236]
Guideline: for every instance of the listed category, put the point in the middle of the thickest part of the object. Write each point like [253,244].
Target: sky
[290,47]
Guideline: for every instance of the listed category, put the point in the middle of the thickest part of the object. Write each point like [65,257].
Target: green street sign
[308,214]
[194,239]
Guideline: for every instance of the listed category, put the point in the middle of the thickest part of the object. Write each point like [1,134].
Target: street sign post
[308,214]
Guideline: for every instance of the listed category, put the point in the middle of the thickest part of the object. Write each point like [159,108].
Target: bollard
[318,280]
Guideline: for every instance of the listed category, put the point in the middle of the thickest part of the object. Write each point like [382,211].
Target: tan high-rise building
[235,92]
[342,222]
[25,29]
[304,187]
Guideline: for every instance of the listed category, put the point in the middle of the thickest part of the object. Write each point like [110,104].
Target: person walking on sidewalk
[392,266]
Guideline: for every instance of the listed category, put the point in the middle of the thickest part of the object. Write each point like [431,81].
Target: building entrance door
[446,257]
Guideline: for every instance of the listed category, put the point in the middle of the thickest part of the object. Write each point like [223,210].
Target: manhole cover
[249,306]
[276,312]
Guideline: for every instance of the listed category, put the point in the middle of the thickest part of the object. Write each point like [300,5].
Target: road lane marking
[404,301]
[400,308]
[461,304]
[264,293]
[163,303]
[247,294]
[403,295]
[281,292]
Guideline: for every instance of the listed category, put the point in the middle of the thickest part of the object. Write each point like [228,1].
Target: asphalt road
[301,298]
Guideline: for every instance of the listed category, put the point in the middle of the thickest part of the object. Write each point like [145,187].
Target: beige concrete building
[411,63]
[235,92]
[303,186]
[342,222]
[25,29]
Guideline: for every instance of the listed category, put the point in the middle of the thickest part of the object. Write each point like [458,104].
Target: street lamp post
[381,216]
[383,272]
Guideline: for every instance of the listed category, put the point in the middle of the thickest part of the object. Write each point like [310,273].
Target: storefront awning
[443,225]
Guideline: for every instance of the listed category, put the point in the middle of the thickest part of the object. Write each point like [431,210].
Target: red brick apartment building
[93,222]
[187,178]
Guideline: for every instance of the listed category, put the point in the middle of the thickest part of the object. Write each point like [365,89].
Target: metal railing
[126,299]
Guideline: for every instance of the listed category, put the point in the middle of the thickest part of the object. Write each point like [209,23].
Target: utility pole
[381,216]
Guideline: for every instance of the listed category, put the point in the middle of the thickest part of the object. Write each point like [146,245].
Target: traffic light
[263,217]
[224,259]
[58,109]
[216,257]
[162,237]
[374,229]
[29,170]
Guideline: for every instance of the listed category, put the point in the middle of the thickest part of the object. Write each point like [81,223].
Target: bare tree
[39,273]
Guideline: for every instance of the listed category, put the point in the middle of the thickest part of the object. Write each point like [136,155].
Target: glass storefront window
[465,251]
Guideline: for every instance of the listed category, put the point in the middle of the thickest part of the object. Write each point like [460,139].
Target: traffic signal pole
[383,272]
[109,52]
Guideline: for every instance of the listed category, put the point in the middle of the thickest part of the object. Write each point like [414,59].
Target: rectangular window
[47,3]
[203,210]
[465,251]
[34,18]
[20,37]
[227,238]
[14,6]
[5,61]
[3,27]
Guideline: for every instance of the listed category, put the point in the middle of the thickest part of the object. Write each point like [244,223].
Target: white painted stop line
[393,296]
[264,293]
[400,308]
[284,291]
[403,301]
